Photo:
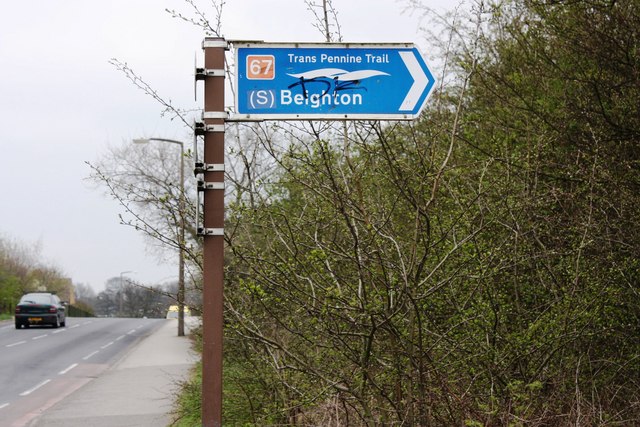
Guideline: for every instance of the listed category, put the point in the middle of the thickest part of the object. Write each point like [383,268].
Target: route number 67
[261,67]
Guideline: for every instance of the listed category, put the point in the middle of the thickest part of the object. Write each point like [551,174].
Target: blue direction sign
[277,81]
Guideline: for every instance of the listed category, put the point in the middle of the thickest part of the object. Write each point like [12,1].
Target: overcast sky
[62,104]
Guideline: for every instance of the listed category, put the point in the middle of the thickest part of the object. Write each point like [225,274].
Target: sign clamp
[202,73]
[200,128]
[201,168]
[215,115]
[203,185]
[202,231]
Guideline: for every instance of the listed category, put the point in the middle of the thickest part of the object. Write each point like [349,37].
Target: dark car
[40,308]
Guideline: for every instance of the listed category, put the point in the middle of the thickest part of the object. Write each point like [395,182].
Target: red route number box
[261,67]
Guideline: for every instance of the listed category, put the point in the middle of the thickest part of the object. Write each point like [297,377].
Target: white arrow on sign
[420,81]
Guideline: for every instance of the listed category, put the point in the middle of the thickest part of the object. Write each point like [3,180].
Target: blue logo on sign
[261,99]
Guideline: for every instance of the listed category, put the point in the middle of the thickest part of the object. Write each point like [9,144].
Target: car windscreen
[36,299]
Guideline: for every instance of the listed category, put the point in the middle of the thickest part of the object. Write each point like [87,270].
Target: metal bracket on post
[210,231]
[215,115]
[215,42]
[201,168]
[200,128]
[203,185]
[202,73]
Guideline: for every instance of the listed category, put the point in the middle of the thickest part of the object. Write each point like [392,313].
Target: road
[40,366]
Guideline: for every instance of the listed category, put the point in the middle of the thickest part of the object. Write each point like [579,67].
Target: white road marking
[74,326]
[39,336]
[15,344]
[91,355]
[58,331]
[131,332]
[3,405]
[68,369]
[31,390]
[106,345]
[119,338]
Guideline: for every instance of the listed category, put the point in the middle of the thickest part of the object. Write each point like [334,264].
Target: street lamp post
[121,302]
[181,243]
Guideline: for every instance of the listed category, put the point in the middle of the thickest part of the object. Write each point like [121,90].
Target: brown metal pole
[213,252]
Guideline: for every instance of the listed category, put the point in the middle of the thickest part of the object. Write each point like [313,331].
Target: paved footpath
[138,391]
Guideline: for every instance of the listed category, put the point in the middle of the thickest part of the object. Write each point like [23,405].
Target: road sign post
[279,81]
[213,232]
[284,81]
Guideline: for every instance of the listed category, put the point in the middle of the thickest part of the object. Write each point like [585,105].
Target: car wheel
[18,325]
[63,323]
[56,324]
